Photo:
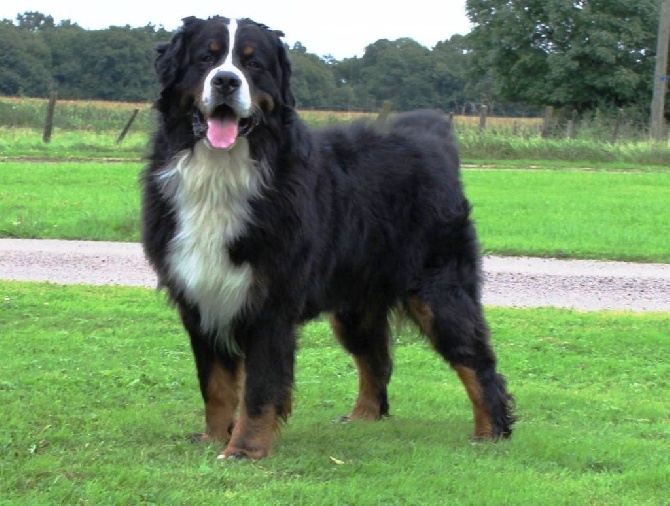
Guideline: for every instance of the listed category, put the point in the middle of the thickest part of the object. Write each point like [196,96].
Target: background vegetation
[578,56]
[90,128]
[589,53]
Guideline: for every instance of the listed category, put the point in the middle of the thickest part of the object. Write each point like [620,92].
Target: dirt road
[509,281]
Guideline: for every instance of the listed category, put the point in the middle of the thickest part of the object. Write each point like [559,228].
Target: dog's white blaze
[211,190]
[243,104]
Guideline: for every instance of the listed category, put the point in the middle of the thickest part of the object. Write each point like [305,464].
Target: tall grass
[91,115]
[492,146]
[504,138]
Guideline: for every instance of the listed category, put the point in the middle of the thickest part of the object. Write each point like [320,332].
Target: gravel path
[509,281]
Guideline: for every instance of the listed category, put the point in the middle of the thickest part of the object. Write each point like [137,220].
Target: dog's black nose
[226,82]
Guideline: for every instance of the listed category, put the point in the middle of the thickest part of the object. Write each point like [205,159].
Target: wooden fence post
[127,127]
[546,124]
[49,122]
[617,126]
[482,118]
[383,116]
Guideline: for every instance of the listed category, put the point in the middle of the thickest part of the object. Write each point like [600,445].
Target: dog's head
[228,76]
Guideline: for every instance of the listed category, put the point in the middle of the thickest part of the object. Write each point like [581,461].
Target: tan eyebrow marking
[214,46]
[248,50]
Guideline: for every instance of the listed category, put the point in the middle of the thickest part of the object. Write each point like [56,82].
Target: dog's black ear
[167,64]
[171,60]
[285,66]
[168,60]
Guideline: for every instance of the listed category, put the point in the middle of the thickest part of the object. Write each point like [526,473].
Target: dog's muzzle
[200,124]
[246,125]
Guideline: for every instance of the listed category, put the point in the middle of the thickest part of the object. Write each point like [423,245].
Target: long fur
[252,239]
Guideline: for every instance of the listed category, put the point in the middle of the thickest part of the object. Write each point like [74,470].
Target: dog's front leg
[269,357]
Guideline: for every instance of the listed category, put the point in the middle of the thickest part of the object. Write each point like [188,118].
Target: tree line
[575,55]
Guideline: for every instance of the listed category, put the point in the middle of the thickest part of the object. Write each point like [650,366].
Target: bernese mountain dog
[255,224]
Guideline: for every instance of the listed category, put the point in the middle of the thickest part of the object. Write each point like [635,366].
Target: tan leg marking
[423,315]
[367,404]
[483,424]
[222,400]
[252,437]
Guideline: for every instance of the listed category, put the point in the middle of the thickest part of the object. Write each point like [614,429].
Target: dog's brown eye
[208,59]
[253,64]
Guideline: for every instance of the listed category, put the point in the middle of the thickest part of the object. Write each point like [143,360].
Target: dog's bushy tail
[426,121]
[429,125]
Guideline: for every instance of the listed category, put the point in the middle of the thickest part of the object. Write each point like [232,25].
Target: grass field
[607,214]
[99,393]
[99,396]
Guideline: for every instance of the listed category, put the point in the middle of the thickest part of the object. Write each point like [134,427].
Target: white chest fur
[211,190]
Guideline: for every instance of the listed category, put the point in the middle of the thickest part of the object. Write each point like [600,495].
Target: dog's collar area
[199,124]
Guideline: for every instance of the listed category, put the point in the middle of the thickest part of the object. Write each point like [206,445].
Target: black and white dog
[254,224]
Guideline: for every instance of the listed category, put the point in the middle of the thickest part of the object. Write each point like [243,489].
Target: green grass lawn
[70,200]
[99,395]
[572,213]
[605,214]
[98,390]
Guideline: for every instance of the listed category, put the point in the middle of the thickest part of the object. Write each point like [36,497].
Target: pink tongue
[222,133]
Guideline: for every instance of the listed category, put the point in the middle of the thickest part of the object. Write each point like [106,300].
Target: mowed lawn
[98,391]
[613,214]
[99,397]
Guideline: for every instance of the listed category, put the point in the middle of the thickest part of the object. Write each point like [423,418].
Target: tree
[567,53]
[67,44]
[34,21]
[398,71]
[351,92]
[449,73]
[24,63]
[313,81]
[118,64]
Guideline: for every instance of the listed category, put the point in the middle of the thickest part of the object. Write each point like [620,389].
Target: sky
[341,28]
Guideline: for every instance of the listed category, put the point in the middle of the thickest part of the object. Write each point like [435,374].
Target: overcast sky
[342,28]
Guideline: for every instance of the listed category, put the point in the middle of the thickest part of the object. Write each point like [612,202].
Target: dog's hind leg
[366,336]
[451,316]
[220,377]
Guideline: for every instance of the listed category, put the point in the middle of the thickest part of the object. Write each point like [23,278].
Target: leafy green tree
[398,71]
[34,21]
[313,79]
[449,73]
[351,92]
[117,64]
[567,53]
[67,44]
[24,63]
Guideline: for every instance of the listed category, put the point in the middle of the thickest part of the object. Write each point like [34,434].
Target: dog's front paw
[236,453]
